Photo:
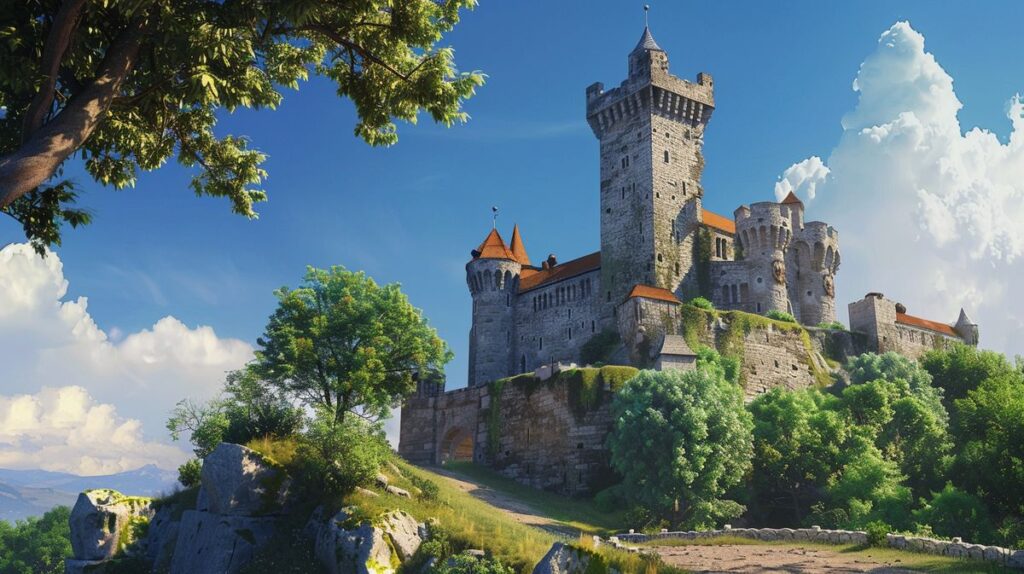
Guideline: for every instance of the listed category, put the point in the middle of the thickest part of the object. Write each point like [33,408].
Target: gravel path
[754,559]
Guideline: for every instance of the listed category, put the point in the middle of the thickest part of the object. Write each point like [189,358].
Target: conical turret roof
[493,247]
[647,42]
[518,248]
[964,319]
[792,198]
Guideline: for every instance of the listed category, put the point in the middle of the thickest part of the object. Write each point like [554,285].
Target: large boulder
[361,550]
[562,559]
[105,521]
[162,537]
[238,481]
[209,543]
[405,533]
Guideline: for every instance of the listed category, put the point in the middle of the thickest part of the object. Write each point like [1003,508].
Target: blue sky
[411,213]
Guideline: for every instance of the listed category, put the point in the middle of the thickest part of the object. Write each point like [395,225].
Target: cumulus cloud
[64,429]
[52,342]
[929,214]
[801,178]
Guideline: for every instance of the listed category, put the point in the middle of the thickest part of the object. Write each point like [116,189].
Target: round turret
[814,252]
[764,233]
[493,280]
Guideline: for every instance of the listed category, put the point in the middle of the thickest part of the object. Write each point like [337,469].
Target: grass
[576,513]
[917,562]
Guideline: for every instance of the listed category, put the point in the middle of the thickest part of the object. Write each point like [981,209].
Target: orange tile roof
[533,278]
[648,292]
[792,198]
[493,247]
[719,222]
[518,248]
[913,321]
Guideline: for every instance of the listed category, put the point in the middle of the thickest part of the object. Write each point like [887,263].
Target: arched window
[666,156]
[735,294]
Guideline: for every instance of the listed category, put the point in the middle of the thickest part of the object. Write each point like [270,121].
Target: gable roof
[920,323]
[649,292]
[719,222]
[493,247]
[676,345]
[532,278]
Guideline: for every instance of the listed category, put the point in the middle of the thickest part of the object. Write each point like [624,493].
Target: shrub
[189,473]
[876,533]
[780,316]
[702,303]
[953,512]
[429,490]
[599,348]
[464,564]
[335,457]
[833,325]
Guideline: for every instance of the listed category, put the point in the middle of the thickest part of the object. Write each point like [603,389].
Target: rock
[238,481]
[475,553]
[72,566]
[211,543]
[366,491]
[1016,560]
[562,559]
[102,522]
[398,491]
[395,470]
[382,480]
[362,550]
[404,532]
[161,538]
[316,521]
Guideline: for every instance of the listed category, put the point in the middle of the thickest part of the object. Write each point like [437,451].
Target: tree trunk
[46,149]
[57,41]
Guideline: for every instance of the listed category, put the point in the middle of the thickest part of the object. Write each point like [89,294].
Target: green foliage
[189,59]
[463,564]
[189,472]
[36,545]
[334,457]
[962,368]
[870,488]
[780,316]
[680,440]
[877,531]
[599,348]
[702,303]
[893,366]
[833,325]
[248,409]
[428,488]
[953,512]
[989,429]
[344,343]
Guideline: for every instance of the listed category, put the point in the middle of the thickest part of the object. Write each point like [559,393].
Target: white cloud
[929,214]
[51,342]
[64,429]
[801,178]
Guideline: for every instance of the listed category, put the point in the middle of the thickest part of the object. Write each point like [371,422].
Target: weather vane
[647,8]
[494,217]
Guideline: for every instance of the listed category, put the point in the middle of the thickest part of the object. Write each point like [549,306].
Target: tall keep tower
[651,131]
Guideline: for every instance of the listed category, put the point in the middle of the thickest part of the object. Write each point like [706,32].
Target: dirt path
[517,510]
[751,559]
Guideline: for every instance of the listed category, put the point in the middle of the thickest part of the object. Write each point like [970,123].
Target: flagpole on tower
[494,217]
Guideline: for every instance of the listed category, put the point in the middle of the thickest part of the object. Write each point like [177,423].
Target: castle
[659,248]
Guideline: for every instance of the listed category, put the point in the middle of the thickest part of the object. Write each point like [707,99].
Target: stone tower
[967,329]
[651,131]
[764,232]
[493,279]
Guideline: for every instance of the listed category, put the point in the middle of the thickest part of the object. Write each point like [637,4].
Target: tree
[128,85]
[892,366]
[962,368]
[248,408]
[343,343]
[953,512]
[36,545]
[798,449]
[989,428]
[680,440]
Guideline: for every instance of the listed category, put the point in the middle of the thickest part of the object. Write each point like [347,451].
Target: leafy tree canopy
[130,84]
[892,366]
[344,343]
[36,545]
[962,368]
[680,440]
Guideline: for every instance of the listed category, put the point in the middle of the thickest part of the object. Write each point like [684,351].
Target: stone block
[238,481]
[101,522]
[209,543]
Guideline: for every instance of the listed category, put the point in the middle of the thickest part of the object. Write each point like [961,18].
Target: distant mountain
[25,493]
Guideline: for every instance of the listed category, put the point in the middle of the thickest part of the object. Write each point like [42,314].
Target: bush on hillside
[335,457]
[953,512]
[464,564]
[780,316]
[189,472]
[702,303]
[832,325]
